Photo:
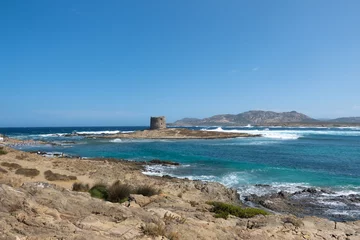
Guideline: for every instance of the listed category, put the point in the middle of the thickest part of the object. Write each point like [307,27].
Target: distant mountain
[250,117]
[346,120]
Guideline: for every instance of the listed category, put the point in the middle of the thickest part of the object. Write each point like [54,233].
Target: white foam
[332,203]
[116,140]
[97,132]
[288,134]
[51,135]
[246,190]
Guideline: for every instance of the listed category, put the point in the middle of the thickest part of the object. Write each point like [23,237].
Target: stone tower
[157,123]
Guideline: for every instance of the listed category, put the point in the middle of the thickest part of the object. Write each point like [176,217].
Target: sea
[284,159]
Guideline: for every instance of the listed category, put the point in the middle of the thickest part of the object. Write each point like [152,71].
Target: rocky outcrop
[45,211]
[174,133]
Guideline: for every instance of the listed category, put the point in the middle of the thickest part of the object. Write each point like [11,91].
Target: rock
[164,163]
[140,199]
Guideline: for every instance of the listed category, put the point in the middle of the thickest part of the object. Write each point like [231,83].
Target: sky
[114,63]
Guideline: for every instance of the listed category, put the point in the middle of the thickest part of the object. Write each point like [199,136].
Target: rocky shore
[37,202]
[172,133]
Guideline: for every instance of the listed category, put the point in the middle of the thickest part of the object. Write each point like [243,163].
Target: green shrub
[2,151]
[146,191]
[99,190]
[80,187]
[223,210]
[118,192]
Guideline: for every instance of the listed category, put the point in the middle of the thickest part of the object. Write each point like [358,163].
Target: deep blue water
[285,158]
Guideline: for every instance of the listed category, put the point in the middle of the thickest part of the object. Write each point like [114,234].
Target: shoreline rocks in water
[311,201]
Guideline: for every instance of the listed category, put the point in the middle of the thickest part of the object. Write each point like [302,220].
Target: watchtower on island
[157,123]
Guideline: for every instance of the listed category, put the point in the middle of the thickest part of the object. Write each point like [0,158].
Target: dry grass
[22,156]
[80,187]
[51,176]
[154,229]
[3,170]
[27,172]
[147,191]
[11,166]
[119,192]
[168,218]
[294,221]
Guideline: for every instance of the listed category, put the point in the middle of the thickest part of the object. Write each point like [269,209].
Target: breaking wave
[289,134]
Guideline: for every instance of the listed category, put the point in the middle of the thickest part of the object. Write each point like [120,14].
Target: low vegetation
[154,229]
[22,156]
[117,192]
[3,170]
[51,176]
[223,210]
[2,151]
[147,191]
[294,221]
[27,172]
[99,190]
[80,187]
[11,165]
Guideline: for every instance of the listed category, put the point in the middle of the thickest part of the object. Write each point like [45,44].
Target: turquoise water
[285,158]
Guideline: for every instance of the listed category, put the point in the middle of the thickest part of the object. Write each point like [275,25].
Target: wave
[116,140]
[287,134]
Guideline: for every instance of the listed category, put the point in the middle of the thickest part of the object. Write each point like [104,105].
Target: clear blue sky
[71,63]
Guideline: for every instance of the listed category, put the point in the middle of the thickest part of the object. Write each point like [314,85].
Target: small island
[158,130]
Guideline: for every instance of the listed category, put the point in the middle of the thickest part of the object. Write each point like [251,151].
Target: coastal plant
[147,191]
[223,210]
[51,176]
[2,151]
[80,187]
[168,217]
[21,156]
[99,190]
[119,192]
[11,165]
[292,220]
[27,172]
[155,229]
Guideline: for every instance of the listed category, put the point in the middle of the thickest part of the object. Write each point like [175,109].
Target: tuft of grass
[99,190]
[294,221]
[2,151]
[223,210]
[147,191]
[22,156]
[154,229]
[28,172]
[51,176]
[11,165]
[117,192]
[80,187]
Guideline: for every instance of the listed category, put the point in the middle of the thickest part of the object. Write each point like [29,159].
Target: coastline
[187,199]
